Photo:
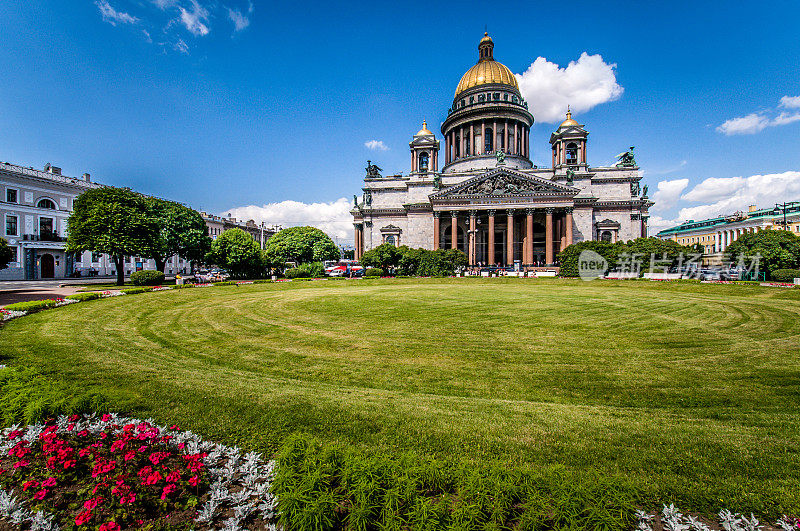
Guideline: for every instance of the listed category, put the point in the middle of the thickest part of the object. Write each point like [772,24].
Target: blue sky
[224,104]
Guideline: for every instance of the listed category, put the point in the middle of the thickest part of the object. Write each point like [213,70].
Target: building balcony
[44,237]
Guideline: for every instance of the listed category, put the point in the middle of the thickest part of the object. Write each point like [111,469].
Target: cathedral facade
[488,199]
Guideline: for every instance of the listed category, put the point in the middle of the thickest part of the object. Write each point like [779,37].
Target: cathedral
[488,199]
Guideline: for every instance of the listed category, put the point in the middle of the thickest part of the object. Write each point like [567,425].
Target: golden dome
[569,122]
[424,131]
[487,71]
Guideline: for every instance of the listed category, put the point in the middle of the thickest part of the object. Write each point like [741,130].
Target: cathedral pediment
[503,182]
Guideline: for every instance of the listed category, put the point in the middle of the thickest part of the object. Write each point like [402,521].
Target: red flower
[49,482]
[32,484]
[69,464]
[130,498]
[194,480]
[174,427]
[110,526]
[169,489]
[152,479]
[117,445]
[173,476]
[92,503]
[130,455]
[40,495]
[106,417]
[84,517]
[21,464]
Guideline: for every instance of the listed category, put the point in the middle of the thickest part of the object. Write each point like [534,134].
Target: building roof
[766,214]
[487,71]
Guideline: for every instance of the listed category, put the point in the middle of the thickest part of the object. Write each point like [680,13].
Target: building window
[488,145]
[605,236]
[11,195]
[458,146]
[46,203]
[95,257]
[11,226]
[13,254]
[423,161]
[572,153]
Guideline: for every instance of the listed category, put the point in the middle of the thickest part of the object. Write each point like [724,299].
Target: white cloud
[668,193]
[656,224]
[181,46]
[112,16]
[582,85]
[790,102]
[744,125]
[164,4]
[728,195]
[376,145]
[758,121]
[196,20]
[333,218]
[239,20]
[147,36]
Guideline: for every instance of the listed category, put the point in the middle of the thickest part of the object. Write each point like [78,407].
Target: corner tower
[424,152]
[488,115]
[568,143]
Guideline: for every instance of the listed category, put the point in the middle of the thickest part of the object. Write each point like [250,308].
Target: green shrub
[134,291]
[298,272]
[83,296]
[374,272]
[28,397]
[262,281]
[339,487]
[226,283]
[147,278]
[785,275]
[31,306]
[182,286]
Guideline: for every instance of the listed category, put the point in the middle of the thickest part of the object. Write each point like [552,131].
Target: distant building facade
[488,199]
[34,208]
[716,234]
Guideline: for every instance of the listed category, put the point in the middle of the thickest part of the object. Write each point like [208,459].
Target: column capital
[569,210]
[454,213]
[473,212]
[549,210]
[437,214]
[510,211]
[358,225]
[491,212]
[530,211]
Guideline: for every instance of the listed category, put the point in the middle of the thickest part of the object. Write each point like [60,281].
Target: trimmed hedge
[226,283]
[182,286]
[297,272]
[147,278]
[785,275]
[374,272]
[31,306]
[339,487]
[83,296]
[134,291]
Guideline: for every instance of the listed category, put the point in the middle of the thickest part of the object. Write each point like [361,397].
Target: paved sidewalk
[35,294]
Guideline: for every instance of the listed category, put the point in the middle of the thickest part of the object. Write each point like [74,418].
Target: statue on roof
[373,170]
[437,181]
[570,176]
[368,198]
[635,188]
[626,159]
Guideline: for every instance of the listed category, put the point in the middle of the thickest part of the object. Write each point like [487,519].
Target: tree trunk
[119,262]
[161,263]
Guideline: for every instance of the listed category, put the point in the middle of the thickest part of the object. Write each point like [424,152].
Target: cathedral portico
[488,200]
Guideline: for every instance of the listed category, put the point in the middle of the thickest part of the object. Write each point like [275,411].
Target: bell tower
[569,145]
[424,152]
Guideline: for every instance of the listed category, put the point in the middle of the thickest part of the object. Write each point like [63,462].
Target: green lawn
[690,391]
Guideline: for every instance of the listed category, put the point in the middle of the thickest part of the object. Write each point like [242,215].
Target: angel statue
[501,157]
[437,181]
[373,170]
[635,188]
[355,201]
[644,192]
[626,159]
[570,177]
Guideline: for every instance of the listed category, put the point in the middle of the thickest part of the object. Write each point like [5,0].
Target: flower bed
[672,520]
[111,472]
[11,314]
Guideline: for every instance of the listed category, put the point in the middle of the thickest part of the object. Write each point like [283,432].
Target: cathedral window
[505,97]
[423,161]
[605,236]
[471,100]
[496,95]
[572,153]
[488,145]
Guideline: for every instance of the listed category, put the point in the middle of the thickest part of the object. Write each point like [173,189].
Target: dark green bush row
[374,272]
[134,291]
[147,278]
[785,275]
[404,260]
[31,306]
[336,487]
[226,283]
[28,397]
[83,296]
[309,270]
[296,272]
[182,286]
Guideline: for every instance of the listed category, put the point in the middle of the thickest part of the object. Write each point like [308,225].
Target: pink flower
[130,455]
[69,464]
[92,503]
[84,517]
[173,476]
[106,417]
[152,479]
[49,482]
[130,498]
[117,445]
[32,484]
[40,495]
[169,489]
[21,464]
[110,526]
[194,480]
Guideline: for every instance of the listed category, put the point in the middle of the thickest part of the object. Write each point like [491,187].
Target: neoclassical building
[488,199]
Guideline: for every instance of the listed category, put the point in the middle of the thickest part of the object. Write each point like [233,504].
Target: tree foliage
[385,256]
[666,253]
[778,249]
[568,258]
[441,262]
[237,252]
[5,253]
[114,221]
[301,245]
[182,232]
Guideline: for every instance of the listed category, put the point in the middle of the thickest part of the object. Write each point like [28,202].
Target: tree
[385,256]
[5,254]
[301,245]
[409,260]
[779,249]
[110,220]
[568,258]
[238,252]
[182,231]
[441,262]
